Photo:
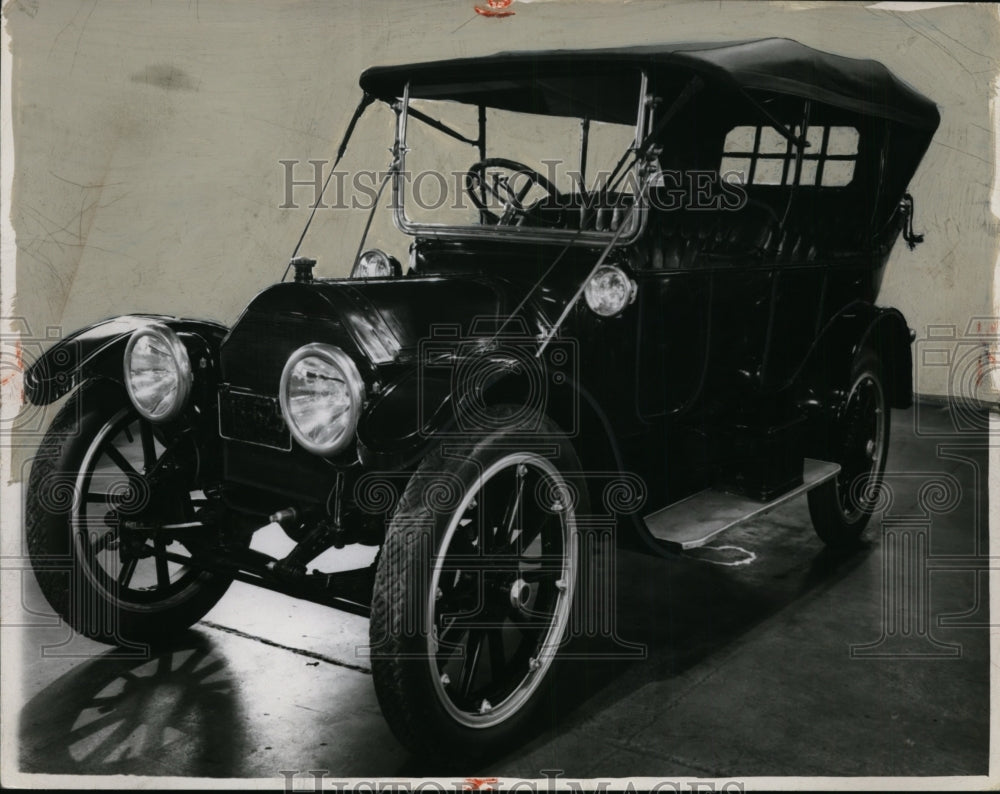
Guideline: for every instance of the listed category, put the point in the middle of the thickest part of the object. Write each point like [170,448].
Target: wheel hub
[863,424]
[520,592]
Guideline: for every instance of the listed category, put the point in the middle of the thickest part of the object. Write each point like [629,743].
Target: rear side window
[763,156]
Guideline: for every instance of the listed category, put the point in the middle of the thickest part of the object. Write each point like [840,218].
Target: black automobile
[661,324]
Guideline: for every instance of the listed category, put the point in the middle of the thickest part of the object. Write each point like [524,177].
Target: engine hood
[380,322]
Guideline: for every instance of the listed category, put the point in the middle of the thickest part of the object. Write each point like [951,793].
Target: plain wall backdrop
[147,136]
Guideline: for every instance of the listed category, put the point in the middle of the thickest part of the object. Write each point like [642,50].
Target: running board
[694,521]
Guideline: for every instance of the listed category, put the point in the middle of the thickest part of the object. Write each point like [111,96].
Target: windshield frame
[636,216]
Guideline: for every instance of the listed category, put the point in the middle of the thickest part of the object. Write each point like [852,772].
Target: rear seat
[687,236]
[814,229]
[682,238]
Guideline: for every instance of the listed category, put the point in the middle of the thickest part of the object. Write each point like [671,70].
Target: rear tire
[841,507]
[114,588]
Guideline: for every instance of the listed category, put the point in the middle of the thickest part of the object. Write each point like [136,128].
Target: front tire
[473,600]
[841,507]
[91,473]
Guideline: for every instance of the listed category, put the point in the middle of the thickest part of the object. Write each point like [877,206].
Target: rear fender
[826,375]
[97,351]
[889,336]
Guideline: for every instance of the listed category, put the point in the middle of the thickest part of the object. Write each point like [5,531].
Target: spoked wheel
[841,508]
[115,480]
[473,603]
[502,590]
[103,480]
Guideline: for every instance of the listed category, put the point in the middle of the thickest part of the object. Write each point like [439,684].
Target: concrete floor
[748,668]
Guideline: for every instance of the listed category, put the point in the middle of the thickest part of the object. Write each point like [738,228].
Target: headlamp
[158,373]
[376,264]
[321,396]
[609,291]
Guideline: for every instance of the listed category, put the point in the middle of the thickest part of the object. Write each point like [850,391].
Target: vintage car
[661,325]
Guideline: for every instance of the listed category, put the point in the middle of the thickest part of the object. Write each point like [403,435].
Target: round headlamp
[158,373]
[376,264]
[321,396]
[609,291]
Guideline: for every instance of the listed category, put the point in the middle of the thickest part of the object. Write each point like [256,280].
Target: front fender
[445,397]
[423,404]
[96,351]
[399,424]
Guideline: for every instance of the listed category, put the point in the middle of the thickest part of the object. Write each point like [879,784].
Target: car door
[672,337]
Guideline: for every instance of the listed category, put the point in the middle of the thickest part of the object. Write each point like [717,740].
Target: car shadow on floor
[670,615]
[180,712]
[175,712]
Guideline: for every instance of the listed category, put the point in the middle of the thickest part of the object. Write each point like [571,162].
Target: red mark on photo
[18,364]
[495,8]
[986,363]
[476,783]
[11,382]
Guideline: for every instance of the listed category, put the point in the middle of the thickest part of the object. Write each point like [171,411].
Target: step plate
[695,520]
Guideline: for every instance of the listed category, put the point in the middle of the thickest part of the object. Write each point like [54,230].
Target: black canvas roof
[602,83]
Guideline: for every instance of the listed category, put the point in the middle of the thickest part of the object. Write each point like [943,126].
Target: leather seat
[687,236]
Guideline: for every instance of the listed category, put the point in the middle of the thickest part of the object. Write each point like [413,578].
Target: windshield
[470,170]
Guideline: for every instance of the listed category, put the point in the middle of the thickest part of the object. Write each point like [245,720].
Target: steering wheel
[505,188]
